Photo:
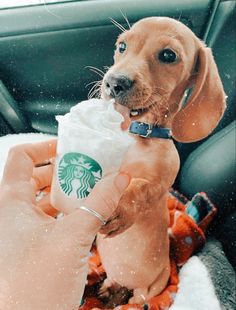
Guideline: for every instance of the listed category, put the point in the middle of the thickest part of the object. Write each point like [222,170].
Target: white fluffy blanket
[196,290]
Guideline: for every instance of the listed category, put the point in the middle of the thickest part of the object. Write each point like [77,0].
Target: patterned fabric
[188,223]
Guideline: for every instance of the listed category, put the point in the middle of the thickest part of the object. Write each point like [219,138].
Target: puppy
[155,62]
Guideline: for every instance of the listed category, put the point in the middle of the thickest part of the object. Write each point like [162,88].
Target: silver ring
[95,213]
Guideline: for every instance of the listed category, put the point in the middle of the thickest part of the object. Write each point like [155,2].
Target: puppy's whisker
[180,15]
[125,17]
[155,92]
[98,93]
[175,36]
[162,97]
[96,70]
[95,94]
[160,88]
[100,81]
[158,103]
[95,87]
[163,102]
[97,73]
[92,94]
[118,25]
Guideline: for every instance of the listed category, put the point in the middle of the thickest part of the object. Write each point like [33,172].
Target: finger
[103,199]
[45,205]
[42,177]
[22,159]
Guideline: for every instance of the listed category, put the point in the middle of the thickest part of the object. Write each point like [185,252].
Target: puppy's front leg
[136,198]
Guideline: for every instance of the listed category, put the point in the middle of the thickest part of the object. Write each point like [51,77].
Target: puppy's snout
[117,85]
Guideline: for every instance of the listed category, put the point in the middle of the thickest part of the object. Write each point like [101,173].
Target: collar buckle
[145,130]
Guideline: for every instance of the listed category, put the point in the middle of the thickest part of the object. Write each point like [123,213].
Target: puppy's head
[154,63]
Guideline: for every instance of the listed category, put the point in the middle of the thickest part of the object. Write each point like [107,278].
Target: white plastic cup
[90,145]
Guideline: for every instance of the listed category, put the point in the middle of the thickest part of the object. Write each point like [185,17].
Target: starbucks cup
[90,145]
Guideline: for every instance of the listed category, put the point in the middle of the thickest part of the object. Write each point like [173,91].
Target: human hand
[43,263]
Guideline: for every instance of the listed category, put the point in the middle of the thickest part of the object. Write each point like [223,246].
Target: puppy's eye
[122,47]
[167,56]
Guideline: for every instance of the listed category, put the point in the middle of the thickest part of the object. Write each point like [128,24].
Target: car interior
[48,53]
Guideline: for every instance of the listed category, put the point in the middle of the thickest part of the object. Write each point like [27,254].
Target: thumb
[103,199]
[106,194]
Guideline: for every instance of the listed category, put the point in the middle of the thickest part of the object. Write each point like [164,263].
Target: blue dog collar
[146,130]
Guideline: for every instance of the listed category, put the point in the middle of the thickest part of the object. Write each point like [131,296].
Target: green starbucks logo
[77,174]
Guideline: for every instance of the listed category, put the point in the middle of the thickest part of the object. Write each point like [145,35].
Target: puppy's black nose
[117,85]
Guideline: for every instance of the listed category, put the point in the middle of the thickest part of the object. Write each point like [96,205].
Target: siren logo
[77,174]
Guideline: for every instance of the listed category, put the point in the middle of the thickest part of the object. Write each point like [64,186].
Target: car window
[18,3]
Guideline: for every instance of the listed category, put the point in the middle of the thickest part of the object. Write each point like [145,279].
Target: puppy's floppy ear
[206,104]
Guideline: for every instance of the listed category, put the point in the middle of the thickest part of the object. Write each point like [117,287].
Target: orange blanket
[188,223]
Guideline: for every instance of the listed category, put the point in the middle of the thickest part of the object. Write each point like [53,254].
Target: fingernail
[122,181]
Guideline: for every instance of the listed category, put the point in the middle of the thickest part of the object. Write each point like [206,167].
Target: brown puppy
[154,63]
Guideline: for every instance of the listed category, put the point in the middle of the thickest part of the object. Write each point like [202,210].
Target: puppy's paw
[104,291]
[131,204]
[139,296]
[114,226]
[113,294]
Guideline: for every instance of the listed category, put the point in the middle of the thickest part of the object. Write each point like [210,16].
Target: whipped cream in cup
[90,145]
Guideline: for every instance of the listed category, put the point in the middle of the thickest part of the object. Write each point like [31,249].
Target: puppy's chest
[141,159]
